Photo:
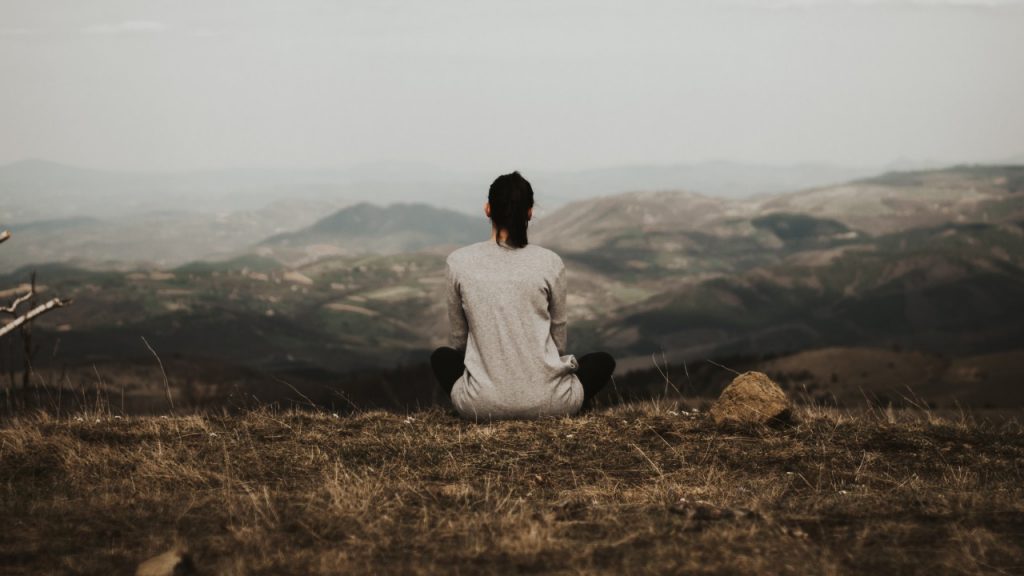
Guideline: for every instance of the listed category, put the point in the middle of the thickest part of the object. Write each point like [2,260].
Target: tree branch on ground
[12,308]
[32,314]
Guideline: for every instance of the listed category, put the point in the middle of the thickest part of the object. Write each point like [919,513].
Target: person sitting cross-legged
[506,303]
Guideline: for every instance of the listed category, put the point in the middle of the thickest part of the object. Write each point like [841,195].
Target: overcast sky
[476,85]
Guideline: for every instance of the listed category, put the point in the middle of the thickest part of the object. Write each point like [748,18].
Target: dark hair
[511,196]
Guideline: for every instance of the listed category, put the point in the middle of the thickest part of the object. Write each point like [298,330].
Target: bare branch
[12,309]
[32,314]
[4,236]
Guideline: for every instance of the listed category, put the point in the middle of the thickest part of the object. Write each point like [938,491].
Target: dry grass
[311,493]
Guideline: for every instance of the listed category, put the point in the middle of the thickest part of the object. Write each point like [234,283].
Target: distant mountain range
[43,190]
[660,226]
[97,218]
[720,179]
[924,260]
[113,219]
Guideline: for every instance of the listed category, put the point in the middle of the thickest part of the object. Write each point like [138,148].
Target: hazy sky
[476,85]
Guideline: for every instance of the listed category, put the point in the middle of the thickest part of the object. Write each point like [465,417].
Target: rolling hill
[661,272]
[366,228]
[166,238]
[902,200]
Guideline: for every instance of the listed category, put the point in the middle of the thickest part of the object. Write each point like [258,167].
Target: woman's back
[507,310]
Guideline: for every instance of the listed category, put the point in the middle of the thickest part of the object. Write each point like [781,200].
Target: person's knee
[600,362]
[605,361]
[446,361]
[443,353]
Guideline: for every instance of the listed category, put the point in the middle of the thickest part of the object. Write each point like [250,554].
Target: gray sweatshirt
[506,308]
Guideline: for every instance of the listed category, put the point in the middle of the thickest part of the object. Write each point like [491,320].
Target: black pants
[595,369]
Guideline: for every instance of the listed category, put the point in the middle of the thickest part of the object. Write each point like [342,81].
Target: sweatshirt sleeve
[456,315]
[557,309]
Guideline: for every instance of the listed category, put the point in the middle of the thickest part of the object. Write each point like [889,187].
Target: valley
[921,271]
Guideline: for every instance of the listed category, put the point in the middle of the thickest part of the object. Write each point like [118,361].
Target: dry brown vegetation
[275,492]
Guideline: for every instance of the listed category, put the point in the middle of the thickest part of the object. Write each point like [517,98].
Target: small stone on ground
[751,398]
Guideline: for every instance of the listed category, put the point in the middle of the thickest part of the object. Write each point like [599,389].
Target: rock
[174,562]
[751,398]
